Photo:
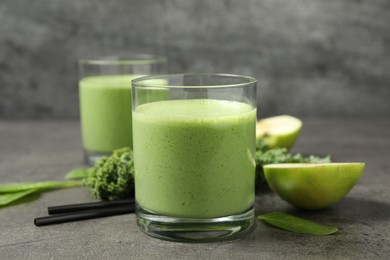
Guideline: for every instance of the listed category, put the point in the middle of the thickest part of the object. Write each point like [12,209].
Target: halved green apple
[310,185]
[279,131]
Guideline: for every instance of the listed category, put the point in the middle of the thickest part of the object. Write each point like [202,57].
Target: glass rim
[138,82]
[124,59]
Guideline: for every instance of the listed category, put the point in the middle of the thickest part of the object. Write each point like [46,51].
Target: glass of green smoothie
[194,156]
[105,100]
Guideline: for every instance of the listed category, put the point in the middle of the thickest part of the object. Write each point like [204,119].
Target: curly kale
[112,178]
[265,155]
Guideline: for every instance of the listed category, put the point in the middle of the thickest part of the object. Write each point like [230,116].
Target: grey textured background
[312,58]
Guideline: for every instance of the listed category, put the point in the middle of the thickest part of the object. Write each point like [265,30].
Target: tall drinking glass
[194,155]
[105,100]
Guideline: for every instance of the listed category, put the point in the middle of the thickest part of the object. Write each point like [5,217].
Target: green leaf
[11,197]
[22,186]
[78,173]
[295,224]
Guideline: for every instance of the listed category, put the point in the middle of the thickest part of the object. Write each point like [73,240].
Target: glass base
[91,157]
[194,230]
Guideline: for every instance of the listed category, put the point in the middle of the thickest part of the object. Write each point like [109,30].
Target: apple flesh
[313,186]
[279,131]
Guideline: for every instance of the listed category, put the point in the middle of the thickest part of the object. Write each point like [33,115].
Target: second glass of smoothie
[194,156]
[105,100]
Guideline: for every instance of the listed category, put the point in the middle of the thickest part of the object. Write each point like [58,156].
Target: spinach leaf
[295,224]
[6,199]
[78,173]
[44,185]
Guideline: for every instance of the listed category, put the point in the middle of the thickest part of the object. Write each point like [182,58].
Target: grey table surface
[40,150]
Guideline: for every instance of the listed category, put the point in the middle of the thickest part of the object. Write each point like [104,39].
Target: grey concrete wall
[312,58]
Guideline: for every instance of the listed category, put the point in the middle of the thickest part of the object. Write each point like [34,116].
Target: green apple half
[279,131]
[312,186]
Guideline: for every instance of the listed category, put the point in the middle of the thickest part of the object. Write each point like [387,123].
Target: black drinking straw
[83,215]
[89,206]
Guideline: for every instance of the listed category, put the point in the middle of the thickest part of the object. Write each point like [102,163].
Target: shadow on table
[362,208]
[262,189]
[348,209]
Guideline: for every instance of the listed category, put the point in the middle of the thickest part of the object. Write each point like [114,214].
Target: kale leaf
[265,155]
[112,178]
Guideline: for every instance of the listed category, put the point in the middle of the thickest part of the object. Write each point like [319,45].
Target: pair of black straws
[83,211]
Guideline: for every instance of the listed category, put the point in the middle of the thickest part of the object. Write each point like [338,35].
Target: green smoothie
[194,158]
[106,110]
